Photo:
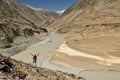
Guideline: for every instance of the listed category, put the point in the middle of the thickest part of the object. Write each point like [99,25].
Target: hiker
[34,62]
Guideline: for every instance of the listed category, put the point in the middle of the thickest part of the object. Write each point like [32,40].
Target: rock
[44,30]
[22,75]
[28,32]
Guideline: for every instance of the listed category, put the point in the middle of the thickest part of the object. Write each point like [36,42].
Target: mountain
[10,9]
[90,13]
[60,12]
[17,19]
[91,28]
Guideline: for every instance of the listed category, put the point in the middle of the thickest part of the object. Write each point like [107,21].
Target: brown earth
[102,41]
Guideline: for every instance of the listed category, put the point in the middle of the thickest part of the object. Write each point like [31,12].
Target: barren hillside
[16,70]
[89,13]
[17,19]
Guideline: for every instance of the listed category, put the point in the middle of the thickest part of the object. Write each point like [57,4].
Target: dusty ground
[103,52]
[97,56]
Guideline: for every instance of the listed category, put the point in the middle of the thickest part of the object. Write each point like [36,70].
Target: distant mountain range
[60,12]
[10,9]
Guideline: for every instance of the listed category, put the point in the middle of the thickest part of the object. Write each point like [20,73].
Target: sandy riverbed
[94,52]
[44,48]
[57,55]
[99,56]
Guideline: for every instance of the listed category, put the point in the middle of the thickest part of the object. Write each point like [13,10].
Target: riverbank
[90,69]
[81,59]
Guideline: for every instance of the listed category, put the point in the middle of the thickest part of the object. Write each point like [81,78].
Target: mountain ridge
[88,12]
[17,19]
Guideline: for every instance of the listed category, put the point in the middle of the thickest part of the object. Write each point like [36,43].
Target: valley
[82,43]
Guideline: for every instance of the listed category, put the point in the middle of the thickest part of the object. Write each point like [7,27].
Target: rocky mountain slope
[17,19]
[86,15]
[17,12]
[15,70]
